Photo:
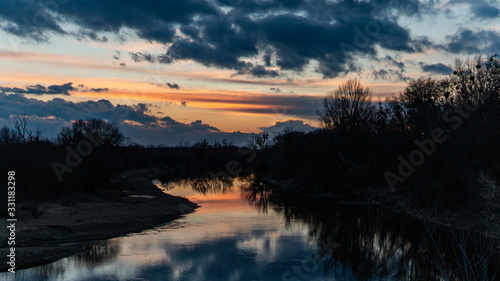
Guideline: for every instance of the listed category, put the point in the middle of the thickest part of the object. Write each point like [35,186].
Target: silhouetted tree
[7,136]
[259,141]
[347,107]
[101,130]
[203,144]
[21,131]
[422,104]
[477,80]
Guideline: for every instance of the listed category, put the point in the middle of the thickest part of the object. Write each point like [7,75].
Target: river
[244,231]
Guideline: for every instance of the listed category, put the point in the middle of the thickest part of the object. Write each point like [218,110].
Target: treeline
[87,154]
[437,141]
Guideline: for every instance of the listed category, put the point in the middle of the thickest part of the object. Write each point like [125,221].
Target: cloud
[29,19]
[287,125]
[255,38]
[133,120]
[255,71]
[391,61]
[151,20]
[41,90]
[481,9]
[303,106]
[390,74]
[51,90]
[88,34]
[437,68]
[117,55]
[173,85]
[82,88]
[97,90]
[484,10]
[334,42]
[472,42]
[140,56]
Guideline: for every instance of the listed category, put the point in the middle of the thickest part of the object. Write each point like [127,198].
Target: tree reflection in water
[212,185]
[93,255]
[201,185]
[374,243]
[99,254]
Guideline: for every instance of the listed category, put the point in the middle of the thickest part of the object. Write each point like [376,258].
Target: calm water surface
[244,232]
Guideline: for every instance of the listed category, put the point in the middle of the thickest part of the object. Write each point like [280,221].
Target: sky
[171,72]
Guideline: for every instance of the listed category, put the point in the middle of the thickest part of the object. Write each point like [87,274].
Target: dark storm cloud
[407,7]
[484,10]
[152,20]
[297,40]
[224,34]
[41,90]
[437,68]
[29,19]
[267,57]
[473,42]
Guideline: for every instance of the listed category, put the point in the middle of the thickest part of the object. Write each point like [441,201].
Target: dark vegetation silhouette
[107,134]
[360,140]
[91,152]
[347,108]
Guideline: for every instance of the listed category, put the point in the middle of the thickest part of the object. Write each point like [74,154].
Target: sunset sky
[178,71]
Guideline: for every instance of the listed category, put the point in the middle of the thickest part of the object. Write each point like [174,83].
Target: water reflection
[245,231]
[201,185]
[98,254]
[212,185]
[375,244]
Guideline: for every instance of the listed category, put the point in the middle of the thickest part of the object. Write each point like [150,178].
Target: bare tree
[477,80]
[22,133]
[259,141]
[21,127]
[347,107]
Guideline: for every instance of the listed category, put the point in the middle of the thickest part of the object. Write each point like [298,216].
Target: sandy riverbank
[48,231]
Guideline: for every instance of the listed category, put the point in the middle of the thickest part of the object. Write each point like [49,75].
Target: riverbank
[48,231]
